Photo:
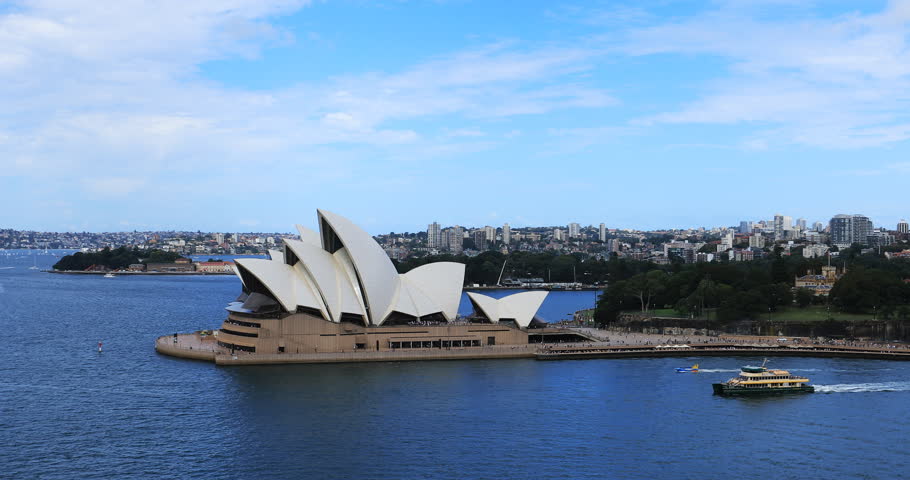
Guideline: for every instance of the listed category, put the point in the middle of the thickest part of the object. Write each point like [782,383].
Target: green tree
[804,297]
[646,286]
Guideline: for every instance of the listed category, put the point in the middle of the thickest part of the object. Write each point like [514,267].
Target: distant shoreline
[124,274]
[587,288]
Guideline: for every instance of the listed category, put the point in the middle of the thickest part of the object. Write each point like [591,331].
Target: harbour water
[68,411]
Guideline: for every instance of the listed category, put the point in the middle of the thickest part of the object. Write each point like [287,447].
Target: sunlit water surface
[69,412]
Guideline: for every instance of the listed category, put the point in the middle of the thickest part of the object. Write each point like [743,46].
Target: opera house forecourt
[335,296]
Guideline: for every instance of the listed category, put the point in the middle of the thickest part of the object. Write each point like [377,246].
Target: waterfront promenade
[719,350]
[127,273]
[612,344]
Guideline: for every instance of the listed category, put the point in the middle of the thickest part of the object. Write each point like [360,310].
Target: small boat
[692,369]
[762,381]
[109,275]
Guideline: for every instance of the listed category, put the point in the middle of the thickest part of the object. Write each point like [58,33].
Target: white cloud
[514,133]
[465,132]
[115,87]
[832,83]
[342,120]
[571,140]
[113,186]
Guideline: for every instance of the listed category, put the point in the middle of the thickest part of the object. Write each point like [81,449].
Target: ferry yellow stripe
[758,382]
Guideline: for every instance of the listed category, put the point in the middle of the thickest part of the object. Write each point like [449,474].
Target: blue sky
[248,115]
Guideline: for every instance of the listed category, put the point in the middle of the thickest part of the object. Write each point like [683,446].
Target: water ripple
[68,412]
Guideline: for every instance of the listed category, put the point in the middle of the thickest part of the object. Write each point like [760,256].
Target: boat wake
[734,370]
[864,387]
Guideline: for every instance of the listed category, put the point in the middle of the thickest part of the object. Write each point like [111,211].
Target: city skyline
[565,226]
[244,116]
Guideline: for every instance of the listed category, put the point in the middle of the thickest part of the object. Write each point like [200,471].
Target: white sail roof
[307,235]
[412,300]
[329,278]
[351,296]
[520,307]
[276,255]
[377,276]
[280,279]
[441,282]
[342,270]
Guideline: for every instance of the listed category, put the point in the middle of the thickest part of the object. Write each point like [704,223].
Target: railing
[505,351]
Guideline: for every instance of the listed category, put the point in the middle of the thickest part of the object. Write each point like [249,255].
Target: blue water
[69,412]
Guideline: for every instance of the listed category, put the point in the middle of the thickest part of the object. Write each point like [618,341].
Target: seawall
[195,346]
[130,274]
[720,350]
[192,346]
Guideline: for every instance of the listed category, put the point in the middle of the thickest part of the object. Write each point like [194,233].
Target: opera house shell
[336,290]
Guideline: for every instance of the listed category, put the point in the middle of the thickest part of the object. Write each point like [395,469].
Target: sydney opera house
[336,290]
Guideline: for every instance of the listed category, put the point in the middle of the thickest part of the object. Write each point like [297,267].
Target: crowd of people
[622,337]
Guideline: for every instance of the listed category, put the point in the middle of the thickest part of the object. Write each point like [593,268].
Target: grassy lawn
[665,312]
[816,313]
[812,313]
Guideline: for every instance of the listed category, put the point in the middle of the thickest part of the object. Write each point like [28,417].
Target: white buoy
[99,347]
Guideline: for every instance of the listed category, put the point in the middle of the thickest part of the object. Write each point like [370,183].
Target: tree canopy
[115,259]
[746,290]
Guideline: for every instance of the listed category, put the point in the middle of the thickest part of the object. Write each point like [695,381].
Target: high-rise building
[782,223]
[801,224]
[602,233]
[903,227]
[454,239]
[480,239]
[726,242]
[818,227]
[756,241]
[434,239]
[862,228]
[574,230]
[849,229]
[879,238]
[613,245]
[506,234]
[219,238]
[841,230]
[745,227]
[490,233]
[557,234]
